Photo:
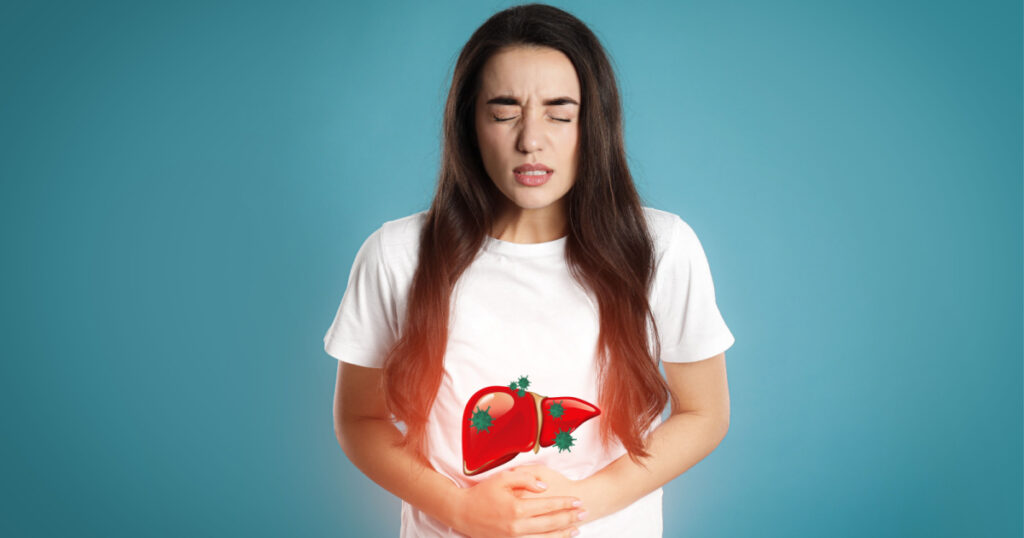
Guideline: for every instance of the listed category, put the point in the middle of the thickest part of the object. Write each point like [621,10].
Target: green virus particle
[481,419]
[512,386]
[556,409]
[522,393]
[563,440]
[524,383]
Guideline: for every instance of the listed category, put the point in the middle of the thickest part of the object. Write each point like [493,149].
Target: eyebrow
[509,100]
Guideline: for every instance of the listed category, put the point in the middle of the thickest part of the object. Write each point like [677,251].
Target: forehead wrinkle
[507,99]
[548,94]
[534,74]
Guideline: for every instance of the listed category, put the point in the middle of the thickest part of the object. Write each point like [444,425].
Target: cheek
[490,138]
[484,136]
[489,141]
[570,147]
[569,138]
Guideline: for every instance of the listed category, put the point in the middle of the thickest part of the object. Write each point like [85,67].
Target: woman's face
[527,113]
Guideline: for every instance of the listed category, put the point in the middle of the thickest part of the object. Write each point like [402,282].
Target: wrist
[453,508]
[592,491]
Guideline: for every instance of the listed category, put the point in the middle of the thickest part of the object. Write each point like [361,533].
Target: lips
[532,174]
[531,167]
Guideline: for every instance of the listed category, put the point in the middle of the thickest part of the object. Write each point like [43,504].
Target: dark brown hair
[609,249]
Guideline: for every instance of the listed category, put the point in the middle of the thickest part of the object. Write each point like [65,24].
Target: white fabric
[517,311]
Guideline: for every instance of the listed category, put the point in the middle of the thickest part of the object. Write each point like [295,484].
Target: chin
[533,202]
[533,198]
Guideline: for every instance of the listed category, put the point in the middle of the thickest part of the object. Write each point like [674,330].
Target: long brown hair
[609,249]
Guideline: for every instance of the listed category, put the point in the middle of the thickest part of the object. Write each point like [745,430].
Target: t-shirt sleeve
[683,301]
[365,326]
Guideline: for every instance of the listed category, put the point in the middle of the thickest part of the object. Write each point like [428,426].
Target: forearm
[368,443]
[675,445]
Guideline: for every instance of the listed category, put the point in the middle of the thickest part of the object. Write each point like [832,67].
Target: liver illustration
[498,424]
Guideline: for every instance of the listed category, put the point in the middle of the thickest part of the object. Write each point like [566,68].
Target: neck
[519,225]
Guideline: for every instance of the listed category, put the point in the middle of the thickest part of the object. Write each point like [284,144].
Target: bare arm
[489,508]
[367,436]
[685,438]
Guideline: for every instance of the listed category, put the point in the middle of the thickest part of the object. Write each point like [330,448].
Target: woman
[536,259]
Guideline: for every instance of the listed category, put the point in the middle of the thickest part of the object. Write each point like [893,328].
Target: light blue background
[184,187]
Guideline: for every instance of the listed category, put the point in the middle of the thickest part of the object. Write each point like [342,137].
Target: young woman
[535,260]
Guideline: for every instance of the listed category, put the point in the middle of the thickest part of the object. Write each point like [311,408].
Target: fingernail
[575,532]
[541,485]
[583,514]
[577,503]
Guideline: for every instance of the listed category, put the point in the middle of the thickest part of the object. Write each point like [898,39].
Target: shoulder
[402,231]
[396,244]
[667,229]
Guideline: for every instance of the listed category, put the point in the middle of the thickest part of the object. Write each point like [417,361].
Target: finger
[564,533]
[536,506]
[525,494]
[553,522]
[520,479]
[537,470]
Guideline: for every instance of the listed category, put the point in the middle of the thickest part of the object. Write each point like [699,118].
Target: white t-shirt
[517,311]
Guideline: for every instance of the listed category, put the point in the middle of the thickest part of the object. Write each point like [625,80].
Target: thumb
[522,479]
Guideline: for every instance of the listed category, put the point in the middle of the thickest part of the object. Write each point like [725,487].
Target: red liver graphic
[498,424]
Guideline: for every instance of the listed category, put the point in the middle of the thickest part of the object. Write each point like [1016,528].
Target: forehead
[526,71]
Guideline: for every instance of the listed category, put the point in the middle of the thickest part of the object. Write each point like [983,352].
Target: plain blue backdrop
[185,186]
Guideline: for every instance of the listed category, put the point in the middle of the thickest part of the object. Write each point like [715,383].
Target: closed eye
[514,117]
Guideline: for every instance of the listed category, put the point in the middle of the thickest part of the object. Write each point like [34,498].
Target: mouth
[531,167]
[533,178]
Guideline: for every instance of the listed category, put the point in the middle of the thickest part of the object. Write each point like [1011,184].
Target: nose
[531,133]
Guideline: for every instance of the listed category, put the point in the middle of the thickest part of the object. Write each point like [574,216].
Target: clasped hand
[513,503]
